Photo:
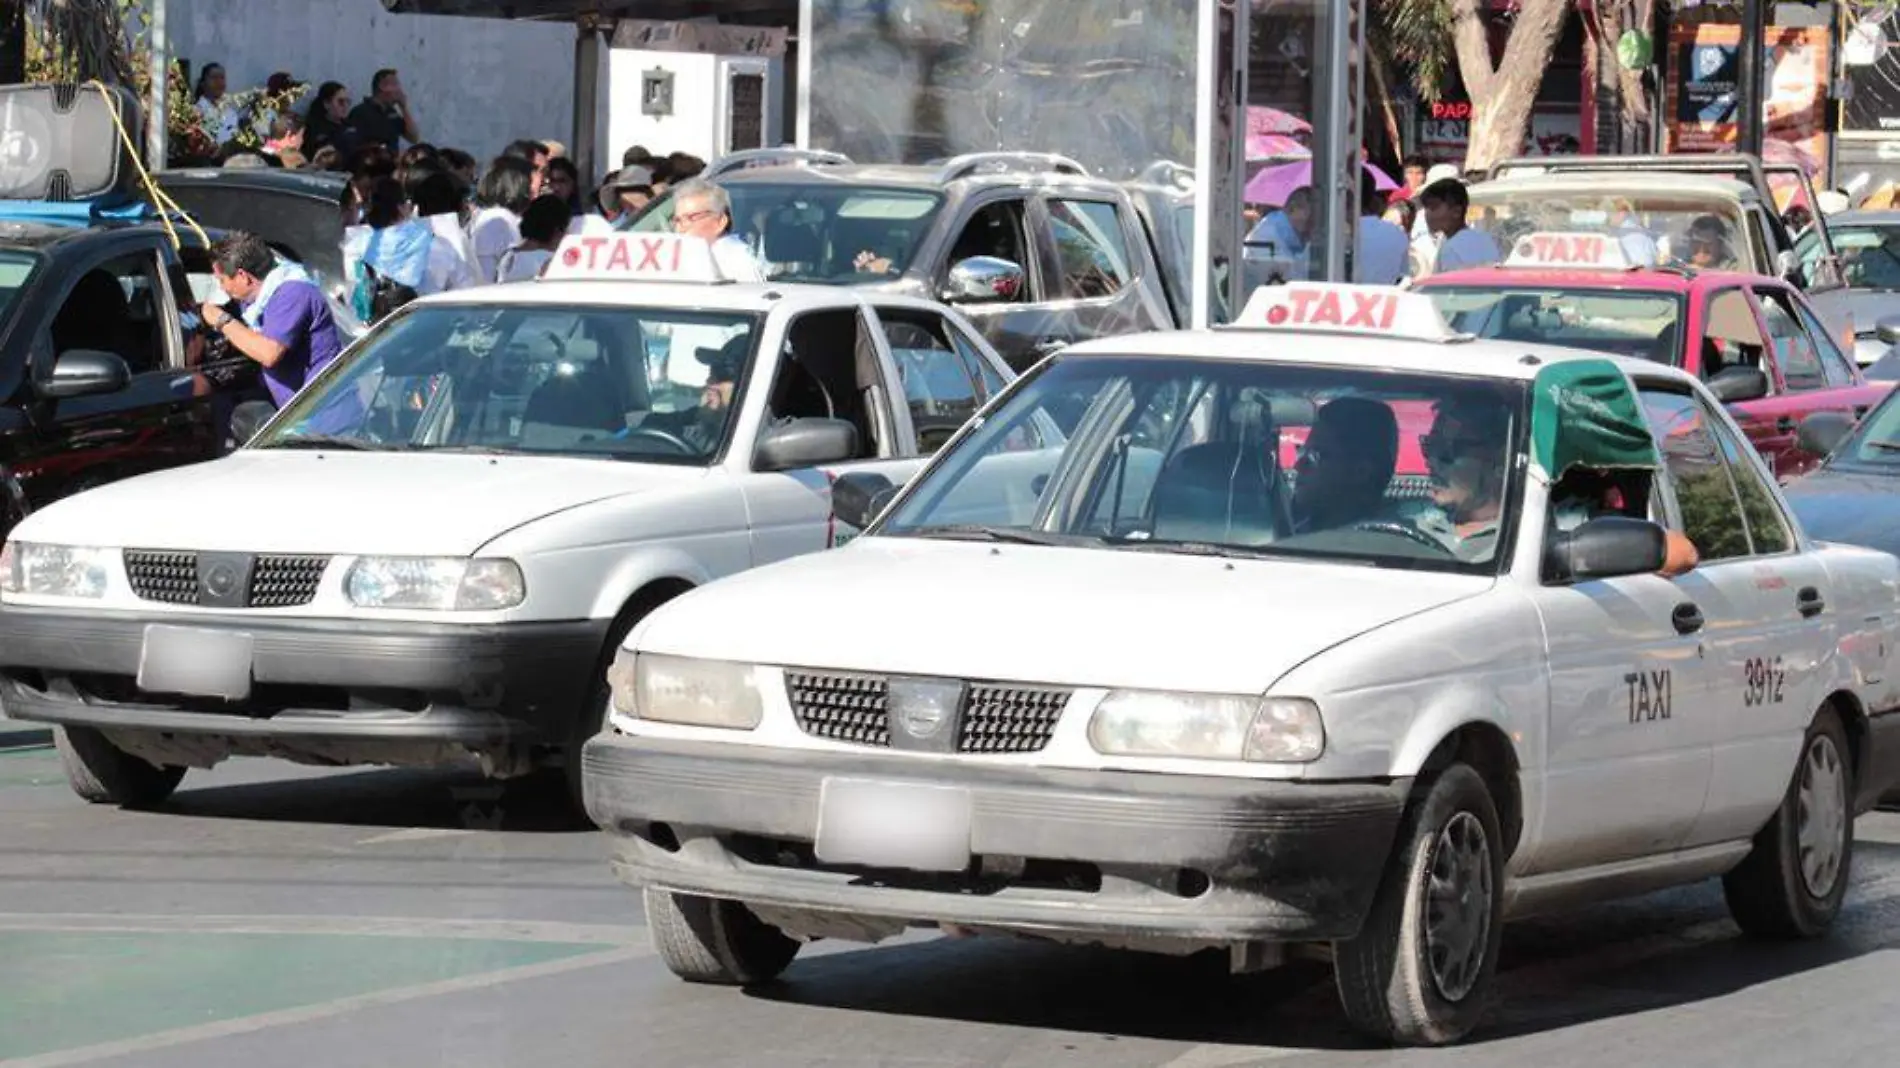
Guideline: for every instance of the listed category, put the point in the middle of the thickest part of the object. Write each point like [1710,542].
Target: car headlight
[447,584]
[1208,727]
[53,570]
[677,689]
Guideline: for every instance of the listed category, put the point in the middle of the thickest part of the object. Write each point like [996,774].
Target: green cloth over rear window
[1584,413]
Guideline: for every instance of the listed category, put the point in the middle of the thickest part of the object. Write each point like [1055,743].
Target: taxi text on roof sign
[1339,308]
[1597,251]
[634,258]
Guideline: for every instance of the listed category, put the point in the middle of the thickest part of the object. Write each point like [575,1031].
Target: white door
[829,365]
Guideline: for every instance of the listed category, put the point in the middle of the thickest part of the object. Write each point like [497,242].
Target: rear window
[1619,323]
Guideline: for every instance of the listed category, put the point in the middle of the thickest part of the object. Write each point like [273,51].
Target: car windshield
[1876,441]
[807,232]
[1617,322]
[16,268]
[1870,254]
[648,384]
[1237,459]
[1680,227]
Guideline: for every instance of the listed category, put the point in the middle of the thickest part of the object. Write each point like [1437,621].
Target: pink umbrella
[1275,146]
[1266,120]
[1274,184]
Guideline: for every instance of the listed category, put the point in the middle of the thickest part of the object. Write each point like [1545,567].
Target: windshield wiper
[323,441]
[1190,548]
[1883,446]
[1011,535]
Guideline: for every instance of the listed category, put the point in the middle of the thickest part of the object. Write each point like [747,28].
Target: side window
[1767,529]
[1731,336]
[1794,350]
[940,386]
[1835,365]
[118,307]
[993,381]
[819,376]
[1711,512]
[1091,247]
[997,230]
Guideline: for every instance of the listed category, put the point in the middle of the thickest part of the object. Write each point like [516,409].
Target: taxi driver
[703,425]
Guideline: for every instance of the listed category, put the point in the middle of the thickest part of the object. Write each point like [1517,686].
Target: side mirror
[1888,330]
[1606,547]
[85,373]
[806,443]
[1823,432]
[1734,384]
[983,280]
[859,497]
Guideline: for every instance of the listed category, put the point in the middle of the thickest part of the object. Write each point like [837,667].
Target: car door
[1731,333]
[119,302]
[1019,324]
[942,386]
[1768,682]
[823,363]
[1627,754]
[1800,378]
[1100,274]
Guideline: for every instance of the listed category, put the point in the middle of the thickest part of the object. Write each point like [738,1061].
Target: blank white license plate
[893,825]
[198,663]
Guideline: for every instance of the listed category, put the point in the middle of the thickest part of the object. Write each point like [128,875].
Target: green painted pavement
[63,989]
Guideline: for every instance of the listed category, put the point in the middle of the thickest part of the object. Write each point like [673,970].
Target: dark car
[1868,243]
[101,378]
[1035,251]
[299,213]
[1854,495]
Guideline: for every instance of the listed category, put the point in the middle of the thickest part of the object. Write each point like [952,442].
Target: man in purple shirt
[286,326]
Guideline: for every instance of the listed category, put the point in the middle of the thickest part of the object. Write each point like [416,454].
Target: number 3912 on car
[1323,628]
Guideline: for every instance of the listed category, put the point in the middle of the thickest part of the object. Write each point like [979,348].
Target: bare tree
[1502,95]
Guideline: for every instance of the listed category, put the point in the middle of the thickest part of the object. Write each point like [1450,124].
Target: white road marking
[341,1006]
[1217,1056]
[378,926]
[414,834]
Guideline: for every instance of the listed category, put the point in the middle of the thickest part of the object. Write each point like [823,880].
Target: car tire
[709,940]
[1418,974]
[1792,883]
[104,774]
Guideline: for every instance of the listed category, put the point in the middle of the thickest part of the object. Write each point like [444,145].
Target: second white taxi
[1331,627]
[433,551]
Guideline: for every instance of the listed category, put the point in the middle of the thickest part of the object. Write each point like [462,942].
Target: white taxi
[435,548]
[1329,627]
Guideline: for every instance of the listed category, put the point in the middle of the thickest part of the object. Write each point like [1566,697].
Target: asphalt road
[292,917]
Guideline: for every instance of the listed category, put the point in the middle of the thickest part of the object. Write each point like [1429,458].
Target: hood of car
[1065,616]
[1849,506]
[298,501]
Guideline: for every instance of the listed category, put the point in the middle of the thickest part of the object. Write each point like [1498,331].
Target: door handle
[1050,345]
[1785,424]
[1809,601]
[1687,618]
[1859,410]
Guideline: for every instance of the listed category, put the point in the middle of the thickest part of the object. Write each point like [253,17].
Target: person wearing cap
[703,427]
[626,192]
[1709,247]
[704,210]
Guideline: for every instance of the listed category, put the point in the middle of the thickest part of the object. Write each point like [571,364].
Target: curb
[19,736]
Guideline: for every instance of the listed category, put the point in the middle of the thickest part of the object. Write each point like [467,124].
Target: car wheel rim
[1458,899]
[1821,820]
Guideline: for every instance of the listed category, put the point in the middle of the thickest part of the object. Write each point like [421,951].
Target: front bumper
[1110,853]
[467,685]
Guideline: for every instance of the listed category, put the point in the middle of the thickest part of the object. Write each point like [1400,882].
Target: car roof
[1501,360]
[50,237]
[321,184]
[1662,280]
[1630,182]
[921,177]
[723,296]
[1874,216]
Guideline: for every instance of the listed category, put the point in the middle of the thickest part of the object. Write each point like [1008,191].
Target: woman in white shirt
[542,227]
[500,198]
[402,248]
[221,116]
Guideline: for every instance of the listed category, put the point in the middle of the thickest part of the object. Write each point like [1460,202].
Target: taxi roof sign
[630,257]
[1577,250]
[1340,308]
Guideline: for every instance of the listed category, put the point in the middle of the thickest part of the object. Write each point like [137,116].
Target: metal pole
[587,64]
[1748,88]
[1207,66]
[1336,148]
[157,122]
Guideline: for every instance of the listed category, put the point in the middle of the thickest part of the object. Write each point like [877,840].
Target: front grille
[997,717]
[286,581]
[171,577]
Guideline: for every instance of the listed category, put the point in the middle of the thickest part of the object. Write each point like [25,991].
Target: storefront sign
[1874,66]
[1703,96]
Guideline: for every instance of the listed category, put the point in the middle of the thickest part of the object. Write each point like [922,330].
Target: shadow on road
[1638,956]
[451,799]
